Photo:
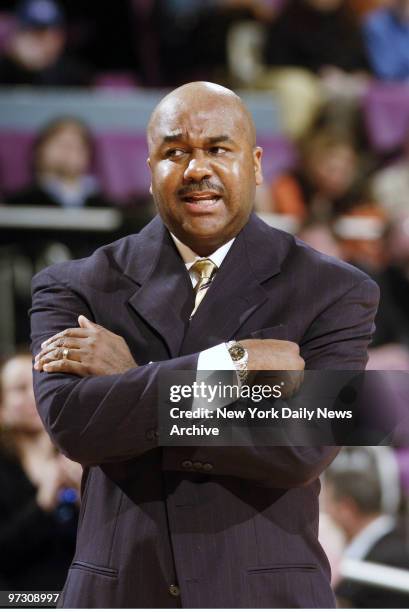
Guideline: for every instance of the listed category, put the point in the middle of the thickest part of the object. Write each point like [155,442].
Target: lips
[201,196]
[201,202]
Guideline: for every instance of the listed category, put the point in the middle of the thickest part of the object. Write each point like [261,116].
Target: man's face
[204,169]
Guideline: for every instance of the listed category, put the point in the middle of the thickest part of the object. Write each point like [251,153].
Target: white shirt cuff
[215,358]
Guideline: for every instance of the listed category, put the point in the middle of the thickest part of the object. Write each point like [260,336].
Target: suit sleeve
[337,340]
[339,336]
[97,419]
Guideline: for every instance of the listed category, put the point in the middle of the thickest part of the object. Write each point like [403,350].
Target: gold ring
[65,353]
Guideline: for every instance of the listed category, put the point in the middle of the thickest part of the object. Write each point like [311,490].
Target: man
[355,500]
[185,526]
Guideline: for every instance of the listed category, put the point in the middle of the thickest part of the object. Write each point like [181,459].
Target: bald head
[198,98]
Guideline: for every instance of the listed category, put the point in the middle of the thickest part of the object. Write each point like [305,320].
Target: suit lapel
[236,292]
[164,298]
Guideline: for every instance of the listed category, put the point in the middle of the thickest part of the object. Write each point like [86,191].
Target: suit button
[198,465]
[150,435]
[187,465]
[174,590]
[207,467]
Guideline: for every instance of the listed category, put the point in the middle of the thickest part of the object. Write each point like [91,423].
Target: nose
[198,168]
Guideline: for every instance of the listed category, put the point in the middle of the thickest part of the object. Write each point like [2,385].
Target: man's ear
[257,157]
[148,161]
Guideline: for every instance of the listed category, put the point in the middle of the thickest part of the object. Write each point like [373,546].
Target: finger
[72,332]
[85,323]
[69,343]
[58,354]
[67,366]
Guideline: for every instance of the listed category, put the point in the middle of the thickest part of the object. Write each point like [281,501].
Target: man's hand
[273,355]
[273,362]
[85,351]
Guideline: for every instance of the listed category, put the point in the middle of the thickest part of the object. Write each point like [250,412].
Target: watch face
[237,352]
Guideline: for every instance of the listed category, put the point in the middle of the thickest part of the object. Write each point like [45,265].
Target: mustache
[204,185]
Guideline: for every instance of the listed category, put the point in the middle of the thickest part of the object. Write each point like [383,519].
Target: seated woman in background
[62,157]
[39,490]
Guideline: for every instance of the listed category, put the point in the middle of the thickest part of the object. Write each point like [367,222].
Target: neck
[203,248]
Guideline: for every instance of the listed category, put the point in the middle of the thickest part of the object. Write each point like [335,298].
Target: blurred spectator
[105,34]
[321,237]
[61,163]
[390,186]
[362,495]
[386,33]
[62,158]
[35,54]
[392,321]
[316,34]
[314,49]
[39,490]
[330,180]
[361,233]
[192,35]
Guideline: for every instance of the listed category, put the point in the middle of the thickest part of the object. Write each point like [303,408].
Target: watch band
[240,358]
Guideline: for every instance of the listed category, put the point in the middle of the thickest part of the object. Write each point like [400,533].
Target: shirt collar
[190,257]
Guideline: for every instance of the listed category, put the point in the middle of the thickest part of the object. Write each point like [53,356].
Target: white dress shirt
[217,357]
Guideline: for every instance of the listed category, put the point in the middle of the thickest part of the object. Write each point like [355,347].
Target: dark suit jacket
[243,532]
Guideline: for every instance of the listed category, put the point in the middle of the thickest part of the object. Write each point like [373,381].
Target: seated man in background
[362,498]
[35,55]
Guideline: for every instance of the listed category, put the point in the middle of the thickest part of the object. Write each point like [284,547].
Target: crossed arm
[99,409]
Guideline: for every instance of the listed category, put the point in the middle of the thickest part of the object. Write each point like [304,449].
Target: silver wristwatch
[240,358]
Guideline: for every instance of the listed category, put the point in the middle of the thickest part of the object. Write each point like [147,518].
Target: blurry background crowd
[328,84]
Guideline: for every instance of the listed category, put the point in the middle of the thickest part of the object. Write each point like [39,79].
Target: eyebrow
[177,136]
[173,137]
[221,138]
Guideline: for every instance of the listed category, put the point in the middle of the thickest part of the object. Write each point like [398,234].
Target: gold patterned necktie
[205,269]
